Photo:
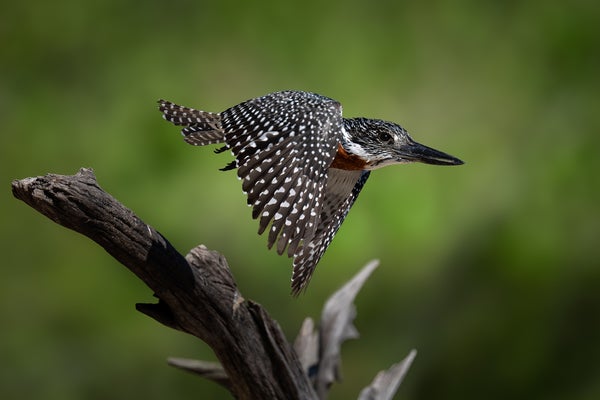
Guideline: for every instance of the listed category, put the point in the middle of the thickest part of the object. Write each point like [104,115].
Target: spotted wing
[342,190]
[283,144]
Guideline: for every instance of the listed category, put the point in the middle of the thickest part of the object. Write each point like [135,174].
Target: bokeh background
[490,270]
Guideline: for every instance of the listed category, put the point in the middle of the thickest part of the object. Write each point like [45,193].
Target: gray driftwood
[197,295]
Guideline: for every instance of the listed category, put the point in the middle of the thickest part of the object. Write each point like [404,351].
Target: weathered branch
[197,295]
[206,369]
[386,383]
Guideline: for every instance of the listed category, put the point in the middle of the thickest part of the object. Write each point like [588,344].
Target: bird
[302,165]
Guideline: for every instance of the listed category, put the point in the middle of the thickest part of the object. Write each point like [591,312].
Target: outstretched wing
[342,190]
[283,144]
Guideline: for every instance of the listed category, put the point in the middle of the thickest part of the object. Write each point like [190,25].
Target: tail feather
[200,127]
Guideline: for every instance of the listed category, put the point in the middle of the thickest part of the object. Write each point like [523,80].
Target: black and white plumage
[302,164]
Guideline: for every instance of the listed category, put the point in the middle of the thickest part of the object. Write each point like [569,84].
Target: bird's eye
[384,136]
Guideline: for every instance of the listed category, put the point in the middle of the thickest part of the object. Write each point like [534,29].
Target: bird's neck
[348,161]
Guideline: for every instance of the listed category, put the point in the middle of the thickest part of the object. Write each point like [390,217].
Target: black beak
[416,152]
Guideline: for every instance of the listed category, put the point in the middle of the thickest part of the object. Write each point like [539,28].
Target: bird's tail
[200,127]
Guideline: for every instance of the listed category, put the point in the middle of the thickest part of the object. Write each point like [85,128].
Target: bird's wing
[283,144]
[342,190]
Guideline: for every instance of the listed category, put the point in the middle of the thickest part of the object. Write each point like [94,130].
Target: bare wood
[337,326]
[197,293]
[206,369]
[386,383]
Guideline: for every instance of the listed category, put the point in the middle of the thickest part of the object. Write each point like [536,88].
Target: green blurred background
[490,270]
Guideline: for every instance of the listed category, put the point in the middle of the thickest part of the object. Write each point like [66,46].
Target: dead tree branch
[197,295]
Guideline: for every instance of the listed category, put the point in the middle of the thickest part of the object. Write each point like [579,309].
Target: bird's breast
[346,161]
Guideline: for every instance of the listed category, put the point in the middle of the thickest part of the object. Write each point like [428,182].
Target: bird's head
[384,143]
